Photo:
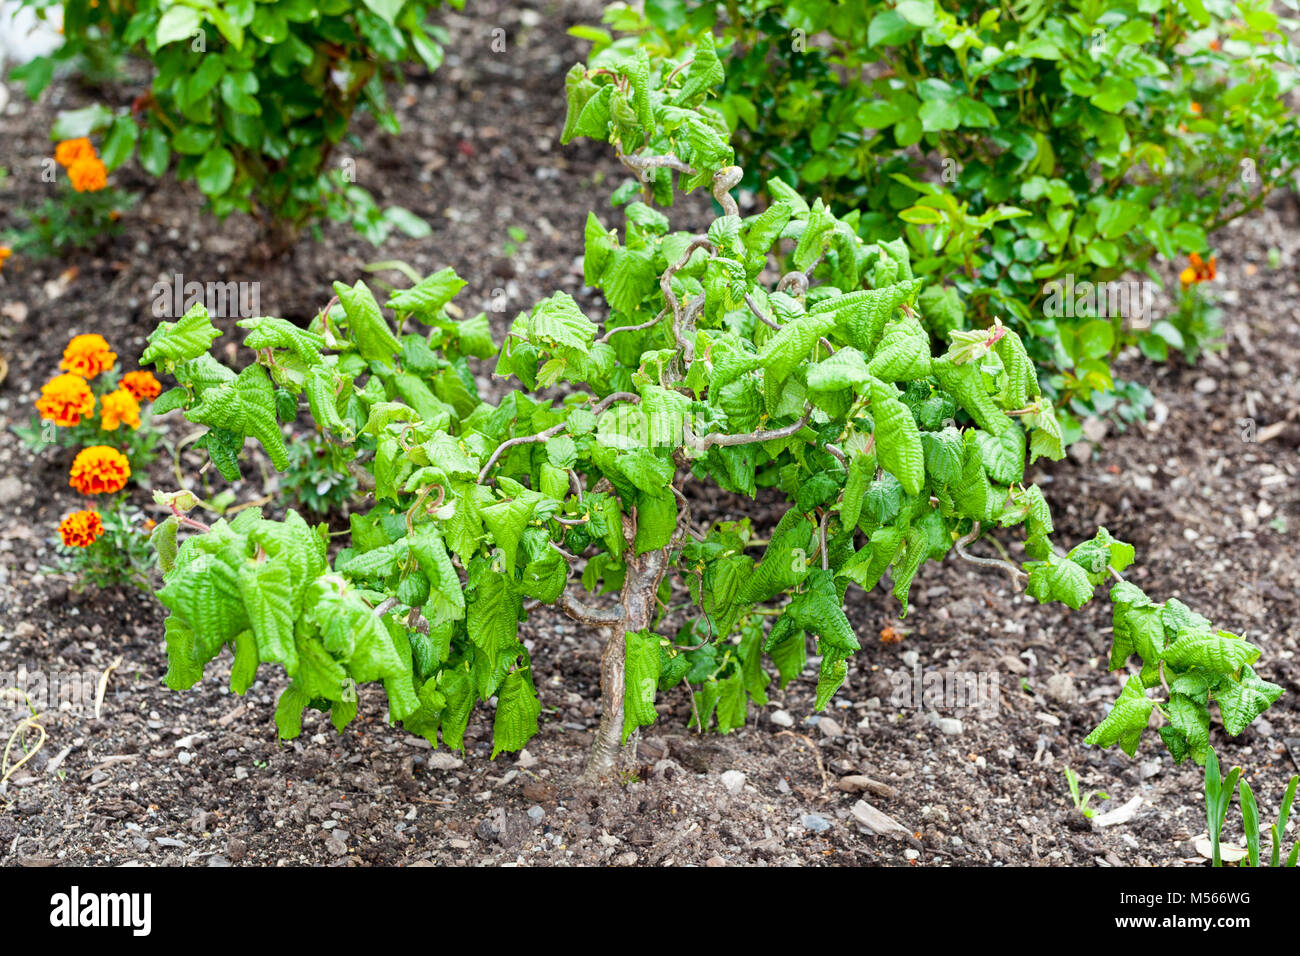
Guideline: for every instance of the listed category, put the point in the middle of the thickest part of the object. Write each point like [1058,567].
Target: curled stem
[1014,572]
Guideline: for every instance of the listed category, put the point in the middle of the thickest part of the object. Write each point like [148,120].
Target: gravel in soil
[198,778]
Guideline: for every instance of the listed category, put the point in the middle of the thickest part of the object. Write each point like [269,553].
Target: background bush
[1020,143]
[249,99]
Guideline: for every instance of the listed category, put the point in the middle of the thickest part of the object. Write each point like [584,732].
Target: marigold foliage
[822,387]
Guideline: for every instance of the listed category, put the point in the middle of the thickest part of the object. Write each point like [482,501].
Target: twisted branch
[633,328]
[1015,573]
[551,432]
[585,614]
[758,313]
[704,443]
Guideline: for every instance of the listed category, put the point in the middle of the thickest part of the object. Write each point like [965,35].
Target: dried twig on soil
[103,684]
[30,722]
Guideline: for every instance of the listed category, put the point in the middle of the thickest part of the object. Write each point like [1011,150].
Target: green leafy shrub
[1022,144]
[821,388]
[251,100]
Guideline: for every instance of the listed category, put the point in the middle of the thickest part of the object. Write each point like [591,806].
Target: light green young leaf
[374,339]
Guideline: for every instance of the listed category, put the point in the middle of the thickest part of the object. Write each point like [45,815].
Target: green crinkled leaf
[903,353]
[1021,383]
[288,711]
[1046,440]
[1003,455]
[817,610]
[942,310]
[378,562]
[322,398]
[1126,720]
[267,332]
[374,339]
[517,711]
[784,563]
[704,73]
[870,562]
[845,369]
[180,341]
[1241,701]
[945,454]
[862,468]
[557,321]
[965,384]
[244,669]
[245,406]
[267,592]
[641,678]
[1101,555]
[426,299]
[1189,726]
[507,520]
[1219,652]
[830,676]
[1059,579]
[860,316]
[898,440]
[791,345]
[163,540]
[492,617]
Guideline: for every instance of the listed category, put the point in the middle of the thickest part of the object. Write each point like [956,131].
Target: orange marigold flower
[142,385]
[118,407]
[81,529]
[99,470]
[5,253]
[1199,270]
[88,175]
[72,150]
[87,356]
[66,400]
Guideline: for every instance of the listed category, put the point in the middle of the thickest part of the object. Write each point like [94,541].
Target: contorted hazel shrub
[821,385]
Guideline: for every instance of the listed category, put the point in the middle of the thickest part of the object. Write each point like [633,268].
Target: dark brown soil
[199,777]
